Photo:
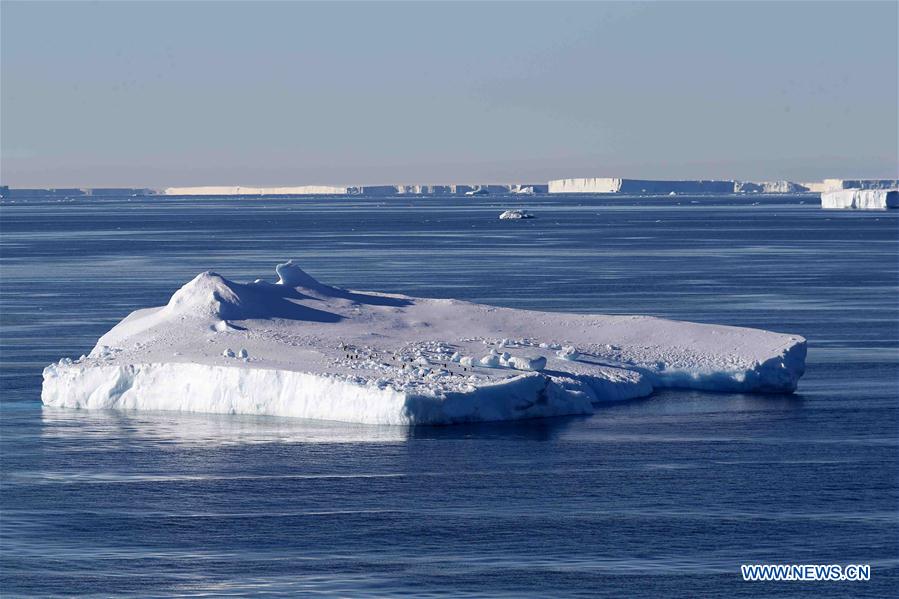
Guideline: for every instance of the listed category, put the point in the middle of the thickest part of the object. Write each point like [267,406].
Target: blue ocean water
[665,496]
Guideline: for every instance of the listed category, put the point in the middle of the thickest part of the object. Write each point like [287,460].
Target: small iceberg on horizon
[515,215]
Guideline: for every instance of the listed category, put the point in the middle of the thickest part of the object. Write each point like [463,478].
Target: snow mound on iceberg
[300,348]
[291,275]
[208,294]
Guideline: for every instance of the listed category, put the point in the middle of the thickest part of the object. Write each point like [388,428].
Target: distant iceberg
[301,348]
[861,199]
[515,215]
[769,187]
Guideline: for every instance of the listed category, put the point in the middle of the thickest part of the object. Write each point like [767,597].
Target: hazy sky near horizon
[279,93]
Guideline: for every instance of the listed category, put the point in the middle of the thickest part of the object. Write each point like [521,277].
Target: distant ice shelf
[300,348]
[583,185]
[236,190]
[639,186]
[352,190]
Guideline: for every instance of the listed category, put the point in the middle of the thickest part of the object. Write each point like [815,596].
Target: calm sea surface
[665,496]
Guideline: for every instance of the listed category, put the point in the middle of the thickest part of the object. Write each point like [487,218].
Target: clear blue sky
[165,93]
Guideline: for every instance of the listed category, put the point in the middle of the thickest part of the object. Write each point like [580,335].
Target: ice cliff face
[861,199]
[769,187]
[298,347]
[368,190]
[224,190]
[638,186]
[454,190]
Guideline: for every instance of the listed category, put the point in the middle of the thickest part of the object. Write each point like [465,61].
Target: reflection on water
[153,427]
[141,427]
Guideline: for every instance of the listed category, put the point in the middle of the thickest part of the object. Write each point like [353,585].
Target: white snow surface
[300,348]
[861,199]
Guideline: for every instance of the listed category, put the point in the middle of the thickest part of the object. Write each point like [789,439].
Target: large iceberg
[304,349]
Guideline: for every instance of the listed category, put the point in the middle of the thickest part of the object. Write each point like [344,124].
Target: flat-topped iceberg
[304,349]
[861,199]
[769,187]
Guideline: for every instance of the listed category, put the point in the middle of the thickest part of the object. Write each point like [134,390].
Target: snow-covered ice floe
[515,215]
[303,349]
